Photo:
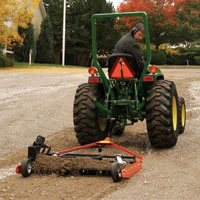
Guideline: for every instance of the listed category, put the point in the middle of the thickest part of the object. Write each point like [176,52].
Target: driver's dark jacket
[127,44]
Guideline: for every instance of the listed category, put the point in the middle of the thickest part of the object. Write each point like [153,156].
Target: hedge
[197,60]
[190,55]
[5,61]
[158,57]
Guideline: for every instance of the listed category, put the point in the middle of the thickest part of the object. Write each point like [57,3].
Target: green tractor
[107,104]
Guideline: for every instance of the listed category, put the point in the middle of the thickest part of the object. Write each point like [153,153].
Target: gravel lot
[36,102]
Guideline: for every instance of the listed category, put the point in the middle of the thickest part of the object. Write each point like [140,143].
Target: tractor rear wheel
[182,114]
[90,125]
[162,114]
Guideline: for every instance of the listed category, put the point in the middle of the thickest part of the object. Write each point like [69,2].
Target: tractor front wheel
[90,125]
[162,114]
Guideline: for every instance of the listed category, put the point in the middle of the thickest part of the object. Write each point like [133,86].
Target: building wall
[36,21]
[39,14]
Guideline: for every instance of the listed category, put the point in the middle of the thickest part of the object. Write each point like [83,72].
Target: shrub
[44,46]
[186,54]
[5,62]
[22,51]
[158,57]
[176,59]
[197,60]
[190,54]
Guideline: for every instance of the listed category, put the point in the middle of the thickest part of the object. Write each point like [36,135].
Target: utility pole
[64,27]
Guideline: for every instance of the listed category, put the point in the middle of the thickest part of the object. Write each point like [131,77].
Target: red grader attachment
[118,166]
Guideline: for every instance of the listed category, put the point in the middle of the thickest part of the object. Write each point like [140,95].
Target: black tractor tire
[162,114]
[88,124]
[182,115]
[26,167]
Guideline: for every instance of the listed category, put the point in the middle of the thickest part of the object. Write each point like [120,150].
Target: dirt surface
[40,102]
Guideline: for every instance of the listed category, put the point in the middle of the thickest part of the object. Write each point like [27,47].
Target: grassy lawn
[24,66]
[39,65]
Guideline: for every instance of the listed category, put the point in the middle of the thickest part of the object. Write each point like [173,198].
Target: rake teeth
[71,166]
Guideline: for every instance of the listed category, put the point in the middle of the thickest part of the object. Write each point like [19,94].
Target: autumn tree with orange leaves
[170,21]
[14,13]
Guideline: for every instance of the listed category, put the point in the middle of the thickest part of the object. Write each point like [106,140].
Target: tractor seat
[128,65]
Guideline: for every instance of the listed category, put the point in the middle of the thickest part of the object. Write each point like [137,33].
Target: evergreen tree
[44,46]
[78,27]
[54,10]
[22,51]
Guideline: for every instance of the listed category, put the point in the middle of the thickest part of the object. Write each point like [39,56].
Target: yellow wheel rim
[183,115]
[174,113]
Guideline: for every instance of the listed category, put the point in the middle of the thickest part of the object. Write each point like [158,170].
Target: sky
[115,2]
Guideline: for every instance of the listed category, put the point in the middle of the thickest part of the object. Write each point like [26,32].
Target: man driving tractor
[129,44]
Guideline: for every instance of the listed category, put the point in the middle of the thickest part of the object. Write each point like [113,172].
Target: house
[39,13]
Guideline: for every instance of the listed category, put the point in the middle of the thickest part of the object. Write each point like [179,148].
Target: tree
[78,27]
[44,46]
[188,17]
[170,21]
[14,13]
[22,50]
[79,31]
[79,24]
[55,12]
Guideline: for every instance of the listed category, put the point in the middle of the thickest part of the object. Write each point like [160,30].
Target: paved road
[41,103]
[34,103]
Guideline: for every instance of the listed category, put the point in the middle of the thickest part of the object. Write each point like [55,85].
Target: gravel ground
[36,102]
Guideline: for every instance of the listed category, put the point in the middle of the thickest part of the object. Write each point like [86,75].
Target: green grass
[26,65]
